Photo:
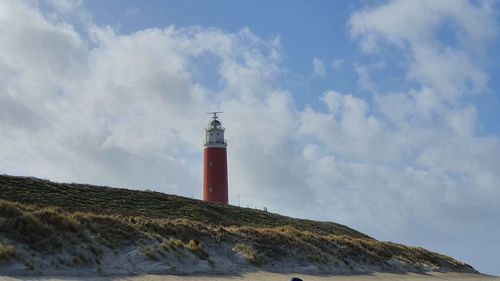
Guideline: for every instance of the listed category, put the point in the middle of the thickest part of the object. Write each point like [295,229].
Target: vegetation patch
[133,203]
[83,223]
[248,253]
[10,209]
[149,251]
[195,248]
[174,243]
[7,252]
[56,220]
[113,231]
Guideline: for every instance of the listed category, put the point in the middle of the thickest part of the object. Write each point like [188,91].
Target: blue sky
[306,31]
[379,115]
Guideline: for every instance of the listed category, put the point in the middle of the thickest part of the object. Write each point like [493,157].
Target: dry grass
[7,252]
[248,253]
[149,251]
[10,209]
[175,244]
[56,219]
[195,248]
[112,230]
[46,228]
[105,200]
[45,216]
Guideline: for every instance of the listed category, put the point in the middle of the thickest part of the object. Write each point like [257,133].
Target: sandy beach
[267,276]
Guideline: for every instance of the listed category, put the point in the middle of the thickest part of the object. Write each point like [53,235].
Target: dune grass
[105,200]
[248,253]
[84,220]
[7,252]
[195,247]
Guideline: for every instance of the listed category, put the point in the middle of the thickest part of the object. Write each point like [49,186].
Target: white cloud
[402,22]
[444,74]
[364,80]
[128,110]
[347,128]
[412,27]
[65,6]
[337,63]
[319,67]
[445,171]
[451,72]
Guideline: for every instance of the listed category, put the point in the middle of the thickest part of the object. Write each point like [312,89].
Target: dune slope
[60,228]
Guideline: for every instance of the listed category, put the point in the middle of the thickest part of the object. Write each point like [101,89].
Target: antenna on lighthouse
[214,113]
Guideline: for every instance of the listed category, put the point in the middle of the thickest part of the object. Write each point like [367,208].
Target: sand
[267,276]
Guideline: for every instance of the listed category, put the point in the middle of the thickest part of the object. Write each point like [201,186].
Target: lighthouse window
[210,163]
[210,189]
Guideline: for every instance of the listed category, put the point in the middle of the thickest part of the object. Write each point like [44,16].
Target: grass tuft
[8,252]
[248,253]
[175,243]
[149,251]
[56,219]
[10,209]
[195,248]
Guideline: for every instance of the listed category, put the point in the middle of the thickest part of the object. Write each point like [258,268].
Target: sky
[380,115]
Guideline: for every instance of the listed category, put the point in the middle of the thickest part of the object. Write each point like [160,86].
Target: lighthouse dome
[215,123]
[214,133]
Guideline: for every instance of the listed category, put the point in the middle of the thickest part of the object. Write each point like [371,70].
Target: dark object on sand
[295,279]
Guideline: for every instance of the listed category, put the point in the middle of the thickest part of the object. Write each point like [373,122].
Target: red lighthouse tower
[215,162]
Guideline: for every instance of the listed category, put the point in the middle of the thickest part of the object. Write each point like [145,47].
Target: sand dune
[266,276]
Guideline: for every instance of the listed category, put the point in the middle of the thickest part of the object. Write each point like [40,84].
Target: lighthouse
[215,162]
